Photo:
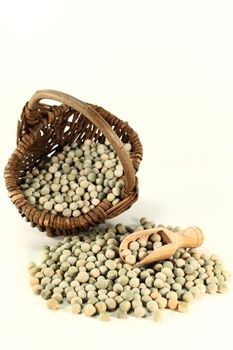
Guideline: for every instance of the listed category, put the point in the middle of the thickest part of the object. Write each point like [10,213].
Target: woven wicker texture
[44,130]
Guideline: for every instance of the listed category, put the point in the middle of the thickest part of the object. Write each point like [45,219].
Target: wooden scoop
[190,237]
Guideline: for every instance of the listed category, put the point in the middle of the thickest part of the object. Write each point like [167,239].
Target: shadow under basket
[44,130]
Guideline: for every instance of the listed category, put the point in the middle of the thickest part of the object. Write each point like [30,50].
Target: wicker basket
[43,130]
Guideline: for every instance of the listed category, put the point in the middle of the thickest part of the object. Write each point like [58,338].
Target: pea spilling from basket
[75,180]
[86,271]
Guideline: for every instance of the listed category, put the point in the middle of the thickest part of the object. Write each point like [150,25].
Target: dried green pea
[162,302]
[52,304]
[151,306]
[212,288]
[104,316]
[125,305]
[75,308]
[139,311]
[89,310]
[58,297]
[188,297]
[182,306]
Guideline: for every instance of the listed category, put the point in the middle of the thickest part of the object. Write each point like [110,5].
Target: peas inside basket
[44,130]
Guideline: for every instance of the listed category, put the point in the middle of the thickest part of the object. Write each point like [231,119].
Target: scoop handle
[191,237]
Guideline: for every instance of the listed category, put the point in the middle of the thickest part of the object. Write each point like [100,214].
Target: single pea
[76,213]
[73,206]
[89,310]
[110,197]
[149,281]
[134,246]
[130,259]
[161,276]
[118,173]
[58,297]
[172,303]
[95,272]
[180,262]
[188,297]
[72,272]
[110,254]
[109,174]
[139,311]
[151,306]
[52,304]
[104,316]
[58,199]
[189,269]
[45,281]
[134,282]
[79,191]
[71,177]
[33,280]
[125,305]
[182,306]
[101,284]
[121,313]
[59,208]
[75,309]
[116,191]
[111,304]
[66,212]
[123,280]
[127,295]
[158,283]
[46,294]
[136,303]
[45,190]
[37,288]
[100,307]
[162,302]
[82,277]
[212,288]
[85,247]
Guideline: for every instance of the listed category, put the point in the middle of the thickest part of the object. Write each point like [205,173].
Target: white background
[166,68]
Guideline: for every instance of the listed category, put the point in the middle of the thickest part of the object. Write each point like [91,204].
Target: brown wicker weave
[43,130]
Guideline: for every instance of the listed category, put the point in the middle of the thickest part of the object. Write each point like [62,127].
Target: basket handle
[94,117]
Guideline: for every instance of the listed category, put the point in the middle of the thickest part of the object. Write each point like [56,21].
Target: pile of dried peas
[86,272]
[76,180]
